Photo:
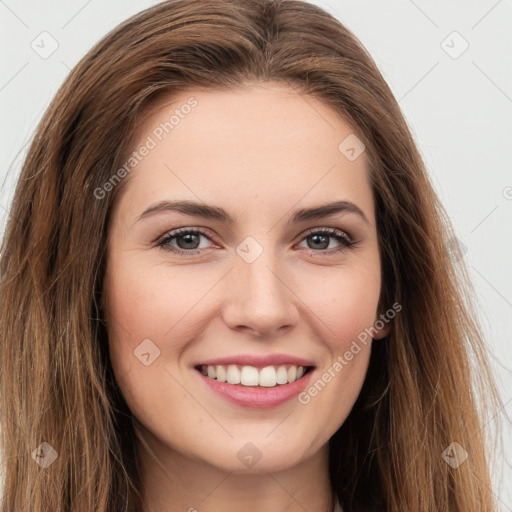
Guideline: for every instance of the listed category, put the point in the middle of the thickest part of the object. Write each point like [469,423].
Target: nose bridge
[262,278]
[259,296]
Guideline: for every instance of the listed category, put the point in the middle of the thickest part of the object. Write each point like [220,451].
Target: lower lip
[257,397]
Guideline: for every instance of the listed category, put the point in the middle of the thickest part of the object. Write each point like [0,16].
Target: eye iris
[189,239]
[318,239]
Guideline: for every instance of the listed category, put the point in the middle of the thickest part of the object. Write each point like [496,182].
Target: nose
[259,298]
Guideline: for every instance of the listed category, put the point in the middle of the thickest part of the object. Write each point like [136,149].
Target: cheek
[344,303]
[153,303]
[342,310]
[148,313]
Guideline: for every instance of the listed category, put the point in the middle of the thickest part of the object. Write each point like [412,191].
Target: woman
[255,370]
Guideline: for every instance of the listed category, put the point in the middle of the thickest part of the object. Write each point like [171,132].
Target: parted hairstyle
[428,382]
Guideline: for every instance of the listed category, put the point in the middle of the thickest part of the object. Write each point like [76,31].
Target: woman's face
[261,279]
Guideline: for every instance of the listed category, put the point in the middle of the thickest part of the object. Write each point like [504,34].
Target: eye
[188,241]
[319,238]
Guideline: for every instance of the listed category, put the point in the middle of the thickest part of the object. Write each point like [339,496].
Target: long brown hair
[421,392]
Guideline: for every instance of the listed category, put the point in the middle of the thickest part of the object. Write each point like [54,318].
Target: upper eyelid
[331,232]
[173,233]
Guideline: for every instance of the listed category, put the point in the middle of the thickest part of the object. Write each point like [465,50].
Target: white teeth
[233,374]
[249,376]
[281,375]
[221,373]
[268,377]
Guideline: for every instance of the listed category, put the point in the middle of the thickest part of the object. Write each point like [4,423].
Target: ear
[383,326]
[382,333]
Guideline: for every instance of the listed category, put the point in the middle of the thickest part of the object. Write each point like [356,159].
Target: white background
[459,111]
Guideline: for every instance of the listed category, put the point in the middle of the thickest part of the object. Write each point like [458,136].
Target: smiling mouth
[251,376]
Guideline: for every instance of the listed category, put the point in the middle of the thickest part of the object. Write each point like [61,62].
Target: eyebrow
[206,211]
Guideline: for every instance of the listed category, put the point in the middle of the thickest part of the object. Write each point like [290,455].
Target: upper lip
[257,360]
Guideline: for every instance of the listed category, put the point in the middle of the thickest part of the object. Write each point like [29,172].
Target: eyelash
[345,241]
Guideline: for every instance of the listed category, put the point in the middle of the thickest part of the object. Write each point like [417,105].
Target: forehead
[265,142]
